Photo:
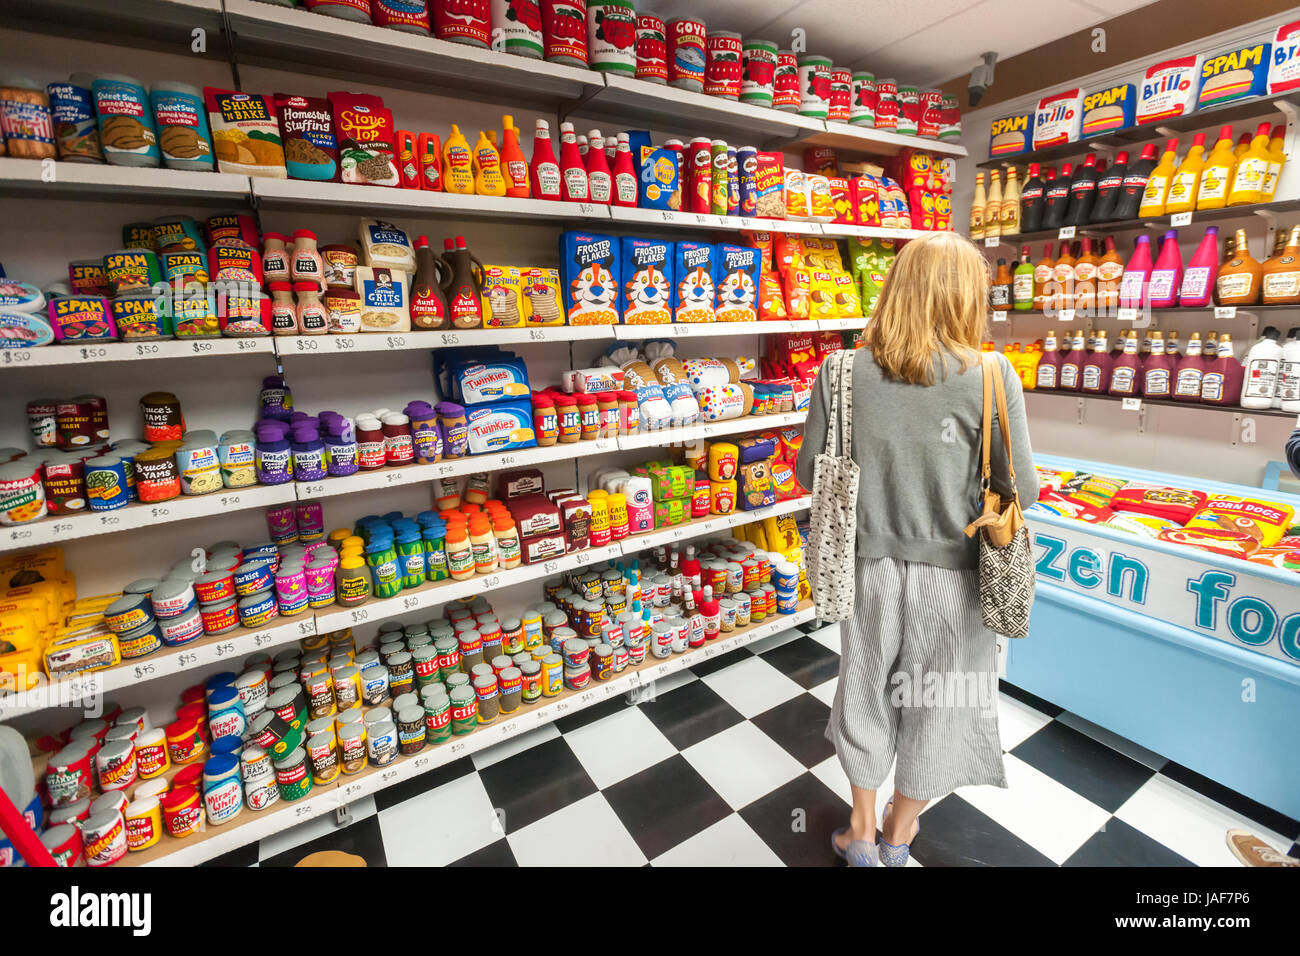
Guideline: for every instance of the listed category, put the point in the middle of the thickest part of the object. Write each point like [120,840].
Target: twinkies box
[693,292]
[1009,136]
[1058,118]
[1168,89]
[646,296]
[492,380]
[500,427]
[589,277]
[735,281]
[1234,74]
[1109,109]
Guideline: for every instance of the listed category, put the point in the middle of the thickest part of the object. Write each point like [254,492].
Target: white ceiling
[917,41]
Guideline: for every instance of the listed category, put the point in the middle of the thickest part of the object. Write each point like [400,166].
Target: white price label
[1065,315]
[992,242]
[343,344]
[202,348]
[396,341]
[1127,315]
[1225,311]
[140,350]
[587,208]
[449,338]
[306,345]
[1131,404]
[1181,219]
[1067,232]
[18,356]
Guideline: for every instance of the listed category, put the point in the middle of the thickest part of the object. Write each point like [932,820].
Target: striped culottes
[918,681]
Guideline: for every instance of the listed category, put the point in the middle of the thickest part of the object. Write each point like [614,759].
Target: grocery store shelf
[388,341]
[122,21]
[251,826]
[289,38]
[699,220]
[29,177]
[59,528]
[231,646]
[92,353]
[680,435]
[837,230]
[1131,315]
[1155,223]
[1169,403]
[878,142]
[302,193]
[678,330]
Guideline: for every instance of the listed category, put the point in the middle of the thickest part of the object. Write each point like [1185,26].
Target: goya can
[841,94]
[651,49]
[722,73]
[686,54]
[785,82]
[611,36]
[757,71]
[814,85]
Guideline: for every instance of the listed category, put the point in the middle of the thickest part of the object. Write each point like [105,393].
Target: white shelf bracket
[1270,217]
[1288,182]
[1081,405]
[1234,437]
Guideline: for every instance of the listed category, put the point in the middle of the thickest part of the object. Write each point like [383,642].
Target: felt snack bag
[1263,521]
[367,139]
[245,133]
[771,301]
[796,195]
[798,293]
[307,129]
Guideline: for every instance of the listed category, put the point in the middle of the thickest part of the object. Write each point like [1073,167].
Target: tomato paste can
[886,104]
[517,27]
[651,49]
[814,85]
[104,838]
[564,31]
[757,71]
[722,74]
[611,36]
[931,118]
[862,107]
[686,54]
[463,21]
[841,94]
[909,110]
[785,82]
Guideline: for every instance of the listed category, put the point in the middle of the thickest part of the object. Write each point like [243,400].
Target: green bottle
[1022,283]
[381,557]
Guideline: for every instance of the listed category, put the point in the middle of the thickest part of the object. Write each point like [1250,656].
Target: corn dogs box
[1011,135]
[693,292]
[589,276]
[1058,118]
[1168,89]
[646,296]
[1109,109]
[1284,59]
[1234,74]
[735,281]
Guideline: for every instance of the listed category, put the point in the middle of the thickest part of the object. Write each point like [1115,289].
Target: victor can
[838,104]
[758,71]
[785,82]
[651,49]
[686,53]
[722,72]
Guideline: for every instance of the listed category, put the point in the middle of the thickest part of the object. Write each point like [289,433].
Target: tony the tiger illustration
[592,295]
[736,298]
[648,295]
[695,296]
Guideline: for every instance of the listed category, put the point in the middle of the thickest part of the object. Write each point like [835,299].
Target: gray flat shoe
[859,852]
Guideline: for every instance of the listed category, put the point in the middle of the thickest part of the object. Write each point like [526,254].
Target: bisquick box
[646,293]
[500,426]
[1057,119]
[1109,109]
[1234,74]
[693,291]
[1011,135]
[1284,64]
[735,279]
[1168,89]
[589,277]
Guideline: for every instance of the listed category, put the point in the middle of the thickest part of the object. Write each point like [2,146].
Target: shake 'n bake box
[1109,109]
[1011,135]
[1058,118]
[1234,74]
[735,280]
[589,277]
[646,297]
[693,292]
[1168,89]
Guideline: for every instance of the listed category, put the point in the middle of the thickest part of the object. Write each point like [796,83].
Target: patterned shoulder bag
[833,522]
[1006,563]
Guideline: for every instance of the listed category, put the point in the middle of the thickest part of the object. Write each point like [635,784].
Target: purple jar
[425,433]
[274,457]
[308,452]
[340,446]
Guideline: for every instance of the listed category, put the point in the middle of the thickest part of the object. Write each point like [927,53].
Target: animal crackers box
[589,277]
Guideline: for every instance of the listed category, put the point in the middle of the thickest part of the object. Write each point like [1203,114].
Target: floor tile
[1118,844]
[826,692]
[585,833]
[1034,701]
[1238,803]
[363,838]
[796,821]
[729,842]
[666,685]
[799,725]
[742,764]
[423,783]
[954,833]
[590,715]
[494,854]
[1103,776]
[690,714]
[442,825]
[804,661]
[1017,721]
[829,637]
[514,745]
[1148,758]
[321,825]
[1049,816]
[665,804]
[536,782]
[721,662]
[624,743]
[775,640]
[752,686]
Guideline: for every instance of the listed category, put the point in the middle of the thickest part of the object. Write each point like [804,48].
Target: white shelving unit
[94,181]
[94,352]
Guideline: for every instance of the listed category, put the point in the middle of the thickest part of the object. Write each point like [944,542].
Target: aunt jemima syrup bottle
[428,304]
[464,285]
[1280,275]
[1239,279]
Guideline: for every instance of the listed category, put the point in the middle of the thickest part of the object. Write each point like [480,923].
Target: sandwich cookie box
[589,277]
[1168,89]
[647,292]
[1107,110]
[1058,118]
[1233,75]
[1011,135]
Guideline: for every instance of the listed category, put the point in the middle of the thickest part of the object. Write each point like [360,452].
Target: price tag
[140,350]
[587,208]
[396,341]
[669,216]
[1225,311]
[1131,404]
[202,348]
[999,316]
[342,343]
[246,345]
[306,345]
[1067,232]
[992,242]
[230,501]
[18,356]
[1127,315]
[1065,315]
[449,338]
[1181,219]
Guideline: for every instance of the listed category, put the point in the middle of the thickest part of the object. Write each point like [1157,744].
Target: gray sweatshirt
[919,450]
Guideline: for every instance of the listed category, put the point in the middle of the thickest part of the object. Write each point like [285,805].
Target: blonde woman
[917,669]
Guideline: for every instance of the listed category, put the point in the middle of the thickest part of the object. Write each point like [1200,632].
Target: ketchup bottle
[625,182]
[573,174]
[544,171]
[600,184]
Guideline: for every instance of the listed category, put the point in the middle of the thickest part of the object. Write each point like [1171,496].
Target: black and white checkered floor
[727,765]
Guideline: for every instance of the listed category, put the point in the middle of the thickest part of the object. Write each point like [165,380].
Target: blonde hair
[935,299]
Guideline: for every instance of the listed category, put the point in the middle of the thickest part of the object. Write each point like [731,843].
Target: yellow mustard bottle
[1252,170]
[488,180]
[1216,174]
[457,164]
[1276,160]
[1156,193]
[1182,188]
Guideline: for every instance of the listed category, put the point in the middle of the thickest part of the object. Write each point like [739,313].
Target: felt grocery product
[754,448]
[714,371]
[1233,544]
[245,133]
[756,487]
[503,377]
[677,389]
[1051,479]
[1069,507]
[1177,504]
[1281,558]
[385,299]
[1263,521]
[722,402]
[771,300]
[647,292]
[735,279]
[722,497]
[367,139]
[784,481]
[797,287]
[724,460]
[307,131]
[500,426]
[387,245]
[694,290]
[1091,489]
[589,275]
[639,378]
[503,306]
[602,379]
[539,289]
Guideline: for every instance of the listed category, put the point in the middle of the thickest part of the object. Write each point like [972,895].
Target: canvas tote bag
[833,522]
[1006,564]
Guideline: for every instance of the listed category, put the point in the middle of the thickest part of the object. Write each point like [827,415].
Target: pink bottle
[544,171]
[1198,278]
[625,184]
[1137,276]
[1126,369]
[1049,366]
[1223,377]
[1167,275]
[1072,361]
[1096,370]
[600,183]
[1157,370]
[573,174]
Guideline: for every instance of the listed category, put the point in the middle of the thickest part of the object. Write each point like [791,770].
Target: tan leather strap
[995,391]
[986,470]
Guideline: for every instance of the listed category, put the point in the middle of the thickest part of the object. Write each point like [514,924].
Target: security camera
[981,78]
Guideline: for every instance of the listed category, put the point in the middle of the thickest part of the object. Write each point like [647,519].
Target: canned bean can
[651,49]
[758,71]
[382,746]
[291,776]
[686,54]
[785,82]
[722,72]
[106,484]
[437,716]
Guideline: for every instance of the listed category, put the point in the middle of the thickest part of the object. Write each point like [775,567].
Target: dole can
[463,21]
[814,85]
[841,95]
[651,49]
[722,73]
[862,108]
[611,36]
[785,82]
[757,71]
[564,31]
[686,54]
